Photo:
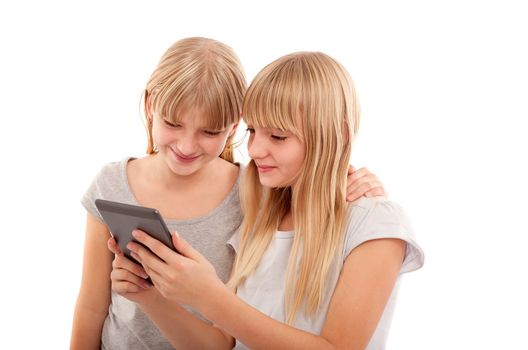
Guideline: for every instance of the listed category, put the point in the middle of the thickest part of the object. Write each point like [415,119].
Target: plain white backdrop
[443,88]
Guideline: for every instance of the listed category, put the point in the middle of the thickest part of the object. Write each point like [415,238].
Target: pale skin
[366,282]
[157,181]
[161,182]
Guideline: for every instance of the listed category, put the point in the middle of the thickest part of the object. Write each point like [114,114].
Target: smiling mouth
[184,159]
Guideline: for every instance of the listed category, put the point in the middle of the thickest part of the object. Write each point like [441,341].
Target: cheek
[160,135]
[215,145]
[296,160]
[295,165]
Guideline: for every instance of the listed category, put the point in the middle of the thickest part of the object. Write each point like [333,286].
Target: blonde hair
[197,72]
[313,96]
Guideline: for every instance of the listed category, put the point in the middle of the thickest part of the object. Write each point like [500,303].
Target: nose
[256,146]
[188,144]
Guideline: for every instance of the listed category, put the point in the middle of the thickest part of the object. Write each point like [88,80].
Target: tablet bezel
[122,219]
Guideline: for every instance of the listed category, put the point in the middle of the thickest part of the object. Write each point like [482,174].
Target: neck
[286,223]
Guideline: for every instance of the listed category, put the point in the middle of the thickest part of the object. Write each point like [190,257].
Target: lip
[184,159]
[265,168]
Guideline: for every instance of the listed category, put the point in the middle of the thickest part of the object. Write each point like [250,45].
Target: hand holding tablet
[123,218]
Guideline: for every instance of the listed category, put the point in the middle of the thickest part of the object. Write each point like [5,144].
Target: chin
[184,170]
[272,183]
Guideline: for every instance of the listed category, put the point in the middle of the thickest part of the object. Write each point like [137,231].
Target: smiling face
[188,145]
[279,156]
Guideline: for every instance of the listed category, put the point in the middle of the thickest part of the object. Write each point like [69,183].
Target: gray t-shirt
[126,326]
[368,219]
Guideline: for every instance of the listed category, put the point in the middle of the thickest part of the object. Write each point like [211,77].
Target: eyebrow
[280,130]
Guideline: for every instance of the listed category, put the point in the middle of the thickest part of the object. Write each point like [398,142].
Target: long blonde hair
[316,88]
[197,72]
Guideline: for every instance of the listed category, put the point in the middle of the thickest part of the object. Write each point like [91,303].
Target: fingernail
[135,256]
[135,234]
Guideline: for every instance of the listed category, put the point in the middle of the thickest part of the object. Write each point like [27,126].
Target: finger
[121,275]
[146,258]
[122,262]
[184,248]
[376,192]
[155,246]
[358,192]
[113,246]
[135,256]
[351,169]
[354,186]
[359,174]
[376,186]
[366,177]
[124,287]
[156,278]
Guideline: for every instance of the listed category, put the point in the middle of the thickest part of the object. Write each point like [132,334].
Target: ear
[233,129]
[148,106]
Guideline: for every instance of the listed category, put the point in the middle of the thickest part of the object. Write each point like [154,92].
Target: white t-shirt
[368,219]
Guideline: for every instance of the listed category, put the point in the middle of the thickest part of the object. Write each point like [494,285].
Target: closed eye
[279,138]
[170,124]
[212,133]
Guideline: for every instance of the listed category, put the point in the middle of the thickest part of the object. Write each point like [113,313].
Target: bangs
[203,74]
[218,108]
[307,93]
[275,99]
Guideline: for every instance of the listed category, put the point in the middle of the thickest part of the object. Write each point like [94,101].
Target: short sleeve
[93,192]
[234,241]
[110,184]
[377,218]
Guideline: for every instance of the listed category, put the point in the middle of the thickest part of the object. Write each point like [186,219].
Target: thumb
[185,248]
[112,246]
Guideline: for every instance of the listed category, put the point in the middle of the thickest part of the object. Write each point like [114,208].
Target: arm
[365,284]
[363,289]
[183,329]
[94,297]
[180,327]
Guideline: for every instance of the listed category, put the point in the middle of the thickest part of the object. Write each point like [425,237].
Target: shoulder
[374,211]
[231,170]
[111,173]
[228,174]
[115,168]
[109,183]
[377,218]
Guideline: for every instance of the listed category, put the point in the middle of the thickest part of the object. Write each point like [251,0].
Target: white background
[444,93]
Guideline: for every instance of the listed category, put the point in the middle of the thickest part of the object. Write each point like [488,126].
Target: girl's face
[279,155]
[188,145]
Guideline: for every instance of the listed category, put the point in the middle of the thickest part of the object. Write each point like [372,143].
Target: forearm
[231,314]
[87,328]
[91,308]
[183,329]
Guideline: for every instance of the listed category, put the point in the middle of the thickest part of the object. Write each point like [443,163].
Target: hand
[185,277]
[128,278]
[363,183]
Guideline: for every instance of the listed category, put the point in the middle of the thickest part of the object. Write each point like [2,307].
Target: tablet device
[123,218]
